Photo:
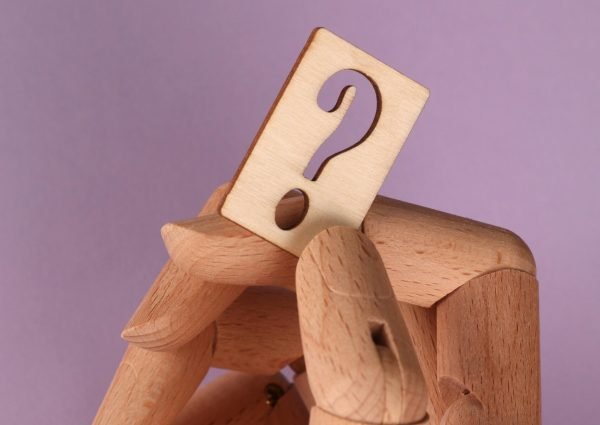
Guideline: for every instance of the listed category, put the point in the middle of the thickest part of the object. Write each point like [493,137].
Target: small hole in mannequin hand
[379,334]
[291,209]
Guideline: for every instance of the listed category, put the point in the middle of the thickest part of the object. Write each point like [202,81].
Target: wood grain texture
[296,126]
[259,333]
[422,328]
[427,254]
[360,362]
[175,310]
[232,399]
[151,387]
[216,249]
[488,351]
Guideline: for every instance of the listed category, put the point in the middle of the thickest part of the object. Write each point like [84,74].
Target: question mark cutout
[347,182]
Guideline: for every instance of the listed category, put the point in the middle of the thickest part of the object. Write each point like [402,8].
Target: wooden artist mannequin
[403,314]
[492,311]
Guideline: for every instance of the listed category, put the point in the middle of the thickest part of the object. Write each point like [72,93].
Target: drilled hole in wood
[291,209]
[379,335]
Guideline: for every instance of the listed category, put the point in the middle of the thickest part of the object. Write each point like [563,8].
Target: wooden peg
[294,129]
[427,254]
[151,388]
[360,362]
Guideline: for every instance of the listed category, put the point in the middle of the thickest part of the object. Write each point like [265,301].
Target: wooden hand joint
[359,359]
[427,254]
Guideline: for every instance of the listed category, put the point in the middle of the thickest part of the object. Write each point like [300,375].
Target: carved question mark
[360,92]
[347,182]
[358,121]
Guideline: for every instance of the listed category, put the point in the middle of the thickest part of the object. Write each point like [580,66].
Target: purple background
[116,117]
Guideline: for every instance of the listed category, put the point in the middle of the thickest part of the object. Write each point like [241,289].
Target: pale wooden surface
[360,362]
[295,128]
[488,357]
[169,315]
[488,351]
[222,252]
[427,254]
[320,417]
[259,333]
[236,399]
[151,388]
[422,325]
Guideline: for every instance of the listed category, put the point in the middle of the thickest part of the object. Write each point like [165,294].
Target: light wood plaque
[347,182]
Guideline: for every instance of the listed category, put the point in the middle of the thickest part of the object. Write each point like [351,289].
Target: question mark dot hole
[291,209]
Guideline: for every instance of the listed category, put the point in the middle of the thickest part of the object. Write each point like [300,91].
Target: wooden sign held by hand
[347,183]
